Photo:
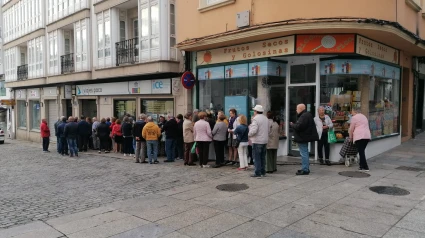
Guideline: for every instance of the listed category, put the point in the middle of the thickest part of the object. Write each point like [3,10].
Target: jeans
[152,150]
[188,159]
[180,149]
[46,141]
[170,148]
[72,145]
[140,151]
[323,142]
[305,158]
[243,154]
[63,146]
[361,146]
[204,149]
[259,153]
[219,151]
[58,144]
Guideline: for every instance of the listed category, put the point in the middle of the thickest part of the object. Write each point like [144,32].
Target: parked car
[2,137]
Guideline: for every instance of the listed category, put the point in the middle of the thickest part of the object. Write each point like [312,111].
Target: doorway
[88,108]
[301,90]
[420,90]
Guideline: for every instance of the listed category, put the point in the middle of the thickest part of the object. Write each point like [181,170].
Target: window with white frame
[35,57]
[210,3]
[104,39]
[172,25]
[53,53]
[22,18]
[81,45]
[10,64]
[149,42]
[58,9]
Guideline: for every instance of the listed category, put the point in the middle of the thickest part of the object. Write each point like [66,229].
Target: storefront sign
[159,86]
[188,80]
[315,44]
[254,50]
[365,67]
[240,103]
[8,102]
[21,94]
[376,50]
[51,91]
[34,93]
[211,73]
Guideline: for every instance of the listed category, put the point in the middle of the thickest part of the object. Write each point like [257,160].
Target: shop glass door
[301,90]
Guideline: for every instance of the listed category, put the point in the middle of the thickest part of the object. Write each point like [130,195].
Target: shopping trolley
[349,152]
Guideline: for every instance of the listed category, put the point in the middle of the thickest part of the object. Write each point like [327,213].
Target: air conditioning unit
[242,19]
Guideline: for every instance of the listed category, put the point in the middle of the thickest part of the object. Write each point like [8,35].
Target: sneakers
[363,170]
[328,162]
[100,152]
[241,169]
[156,162]
[255,176]
[321,161]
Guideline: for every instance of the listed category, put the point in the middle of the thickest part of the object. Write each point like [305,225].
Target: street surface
[49,196]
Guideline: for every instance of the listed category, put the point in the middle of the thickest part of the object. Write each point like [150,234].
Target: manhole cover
[232,187]
[410,168]
[387,190]
[354,174]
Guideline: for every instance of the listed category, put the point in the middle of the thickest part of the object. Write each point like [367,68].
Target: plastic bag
[331,136]
[193,150]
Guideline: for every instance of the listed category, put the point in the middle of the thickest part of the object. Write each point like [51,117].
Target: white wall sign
[21,94]
[176,86]
[376,50]
[50,91]
[159,86]
[68,92]
[33,93]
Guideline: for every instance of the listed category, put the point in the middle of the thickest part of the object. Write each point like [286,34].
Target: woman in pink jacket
[360,135]
[203,138]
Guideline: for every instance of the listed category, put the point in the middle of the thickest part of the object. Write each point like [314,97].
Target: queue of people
[190,138]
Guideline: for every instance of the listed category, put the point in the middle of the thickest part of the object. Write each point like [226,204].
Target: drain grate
[354,174]
[387,190]
[232,187]
[415,169]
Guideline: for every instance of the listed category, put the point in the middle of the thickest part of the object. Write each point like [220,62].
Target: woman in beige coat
[188,139]
[272,144]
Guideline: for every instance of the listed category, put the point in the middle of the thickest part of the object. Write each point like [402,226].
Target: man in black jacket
[71,134]
[304,132]
[84,131]
[140,141]
[179,137]
[170,129]
[63,144]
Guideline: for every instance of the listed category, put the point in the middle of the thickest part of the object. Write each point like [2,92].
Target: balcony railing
[23,72]
[67,63]
[127,51]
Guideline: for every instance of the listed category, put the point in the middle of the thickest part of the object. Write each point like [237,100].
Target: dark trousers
[180,148]
[188,159]
[46,141]
[128,145]
[82,143]
[219,147]
[204,150]
[361,147]
[63,146]
[323,142]
[259,151]
[170,149]
[104,143]
[251,159]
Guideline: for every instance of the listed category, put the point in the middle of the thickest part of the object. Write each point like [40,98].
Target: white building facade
[90,58]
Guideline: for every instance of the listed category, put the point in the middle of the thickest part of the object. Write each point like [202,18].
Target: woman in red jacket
[117,136]
[45,134]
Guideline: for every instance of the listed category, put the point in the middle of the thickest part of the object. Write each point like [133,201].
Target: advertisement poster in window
[265,68]
[211,73]
[240,103]
[236,71]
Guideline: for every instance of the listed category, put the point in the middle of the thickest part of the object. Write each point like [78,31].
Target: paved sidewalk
[323,204]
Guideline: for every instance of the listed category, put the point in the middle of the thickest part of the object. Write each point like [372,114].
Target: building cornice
[70,19]
[24,39]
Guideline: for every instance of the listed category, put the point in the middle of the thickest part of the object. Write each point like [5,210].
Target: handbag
[331,136]
[193,150]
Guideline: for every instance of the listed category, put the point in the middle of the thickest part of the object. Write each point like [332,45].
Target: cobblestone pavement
[40,186]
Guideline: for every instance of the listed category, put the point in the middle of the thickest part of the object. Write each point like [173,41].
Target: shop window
[157,108]
[35,115]
[22,114]
[124,107]
[303,73]
[2,89]
[371,86]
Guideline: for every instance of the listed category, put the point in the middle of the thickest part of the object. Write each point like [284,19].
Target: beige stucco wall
[191,23]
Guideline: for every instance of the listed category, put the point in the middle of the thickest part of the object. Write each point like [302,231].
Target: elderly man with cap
[259,135]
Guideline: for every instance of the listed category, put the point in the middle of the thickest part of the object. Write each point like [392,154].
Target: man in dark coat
[170,128]
[63,144]
[140,141]
[71,135]
[179,137]
[304,132]
[84,131]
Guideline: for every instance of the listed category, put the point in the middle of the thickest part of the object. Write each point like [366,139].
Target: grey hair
[355,109]
[170,116]
[62,117]
[196,110]
[142,116]
[150,119]
[321,107]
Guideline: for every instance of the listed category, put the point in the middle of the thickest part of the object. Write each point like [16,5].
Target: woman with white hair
[323,124]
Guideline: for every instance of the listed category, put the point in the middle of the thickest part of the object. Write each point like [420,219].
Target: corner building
[93,58]
[282,53]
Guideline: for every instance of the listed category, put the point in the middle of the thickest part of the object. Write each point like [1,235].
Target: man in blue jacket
[63,144]
[71,134]
[84,131]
